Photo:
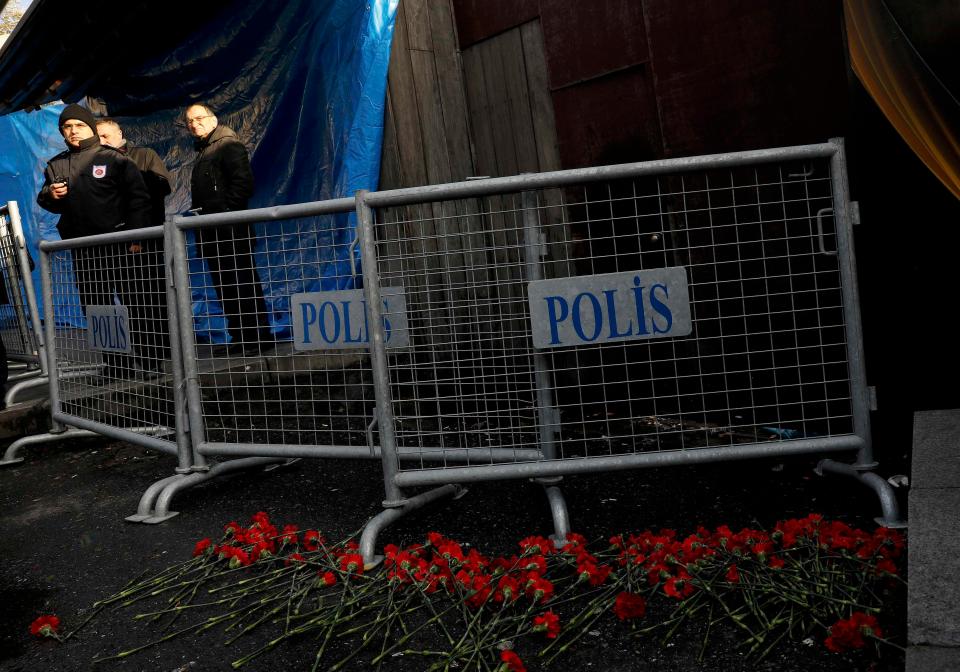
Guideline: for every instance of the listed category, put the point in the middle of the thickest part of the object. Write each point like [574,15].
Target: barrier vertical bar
[851,308]
[187,457]
[378,351]
[546,410]
[188,349]
[24,259]
[9,262]
[50,332]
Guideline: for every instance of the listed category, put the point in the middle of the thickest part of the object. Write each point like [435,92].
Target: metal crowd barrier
[115,370]
[20,326]
[309,395]
[668,312]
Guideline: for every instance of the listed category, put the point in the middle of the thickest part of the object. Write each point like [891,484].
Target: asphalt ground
[64,544]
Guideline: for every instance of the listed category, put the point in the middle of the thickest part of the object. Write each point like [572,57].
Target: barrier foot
[167,491]
[149,498]
[373,528]
[558,510]
[13,391]
[888,500]
[10,455]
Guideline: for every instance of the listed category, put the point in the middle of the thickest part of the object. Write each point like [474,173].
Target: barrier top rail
[277,212]
[125,236]
[559,178]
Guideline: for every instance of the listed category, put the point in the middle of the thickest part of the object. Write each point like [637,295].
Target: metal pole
[27,279]
[9,263]
[378,352]
[851,306]
[188,348]
[187,458]
[546,411]
[50,333]
[547,415]
[516,183]
[593,465]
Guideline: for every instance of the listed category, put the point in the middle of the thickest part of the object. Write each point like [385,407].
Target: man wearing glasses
[222,181]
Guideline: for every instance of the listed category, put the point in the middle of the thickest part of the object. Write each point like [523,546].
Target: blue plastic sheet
[27,140]
[305,95]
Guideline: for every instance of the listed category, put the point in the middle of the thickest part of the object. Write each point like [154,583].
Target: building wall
[640,79]
[426,130]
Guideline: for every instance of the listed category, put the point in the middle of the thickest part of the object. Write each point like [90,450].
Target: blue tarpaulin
[303,83]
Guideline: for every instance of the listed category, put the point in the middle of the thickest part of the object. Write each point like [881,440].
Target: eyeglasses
[196,120]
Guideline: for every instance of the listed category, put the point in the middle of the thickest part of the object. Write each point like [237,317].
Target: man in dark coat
[151,167]
[222,181]
[148,309]
[95,189]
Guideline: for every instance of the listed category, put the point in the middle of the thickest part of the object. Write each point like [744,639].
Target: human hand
[58,190]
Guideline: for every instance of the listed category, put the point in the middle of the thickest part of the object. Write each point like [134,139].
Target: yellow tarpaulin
[911,97]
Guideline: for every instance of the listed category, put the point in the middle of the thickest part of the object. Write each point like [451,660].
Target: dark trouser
[95,269]
[229,255]
[143,291]
[137,278]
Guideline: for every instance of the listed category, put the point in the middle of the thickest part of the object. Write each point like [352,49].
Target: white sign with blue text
[586,310]
[108,328]
[337,320]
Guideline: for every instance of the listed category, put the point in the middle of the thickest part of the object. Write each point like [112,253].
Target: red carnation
[629,606]
[847,634]
[313,540]
[678,588]
[294,557]
[549,623]
[352,563]
[538,588]
[327,578]
[733,574]
[596,574]
[886,567]
[511,661]
[201,547]
[289,535]
[537,545]
[45,626]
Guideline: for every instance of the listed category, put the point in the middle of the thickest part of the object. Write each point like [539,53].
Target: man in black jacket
[146,268]
[94,189]
[222,181]
[151,167]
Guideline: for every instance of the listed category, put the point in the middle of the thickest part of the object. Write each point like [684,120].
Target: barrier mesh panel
[766,358]
[112,339]
[256,385]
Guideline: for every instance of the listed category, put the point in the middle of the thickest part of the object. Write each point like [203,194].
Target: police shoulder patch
[99,171]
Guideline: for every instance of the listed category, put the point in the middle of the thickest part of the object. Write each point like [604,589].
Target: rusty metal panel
[608,120]
[734,75]
[584,40]
[479,19]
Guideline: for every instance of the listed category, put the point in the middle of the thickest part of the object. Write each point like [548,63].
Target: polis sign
[108,328]
[631,306]
[337,320]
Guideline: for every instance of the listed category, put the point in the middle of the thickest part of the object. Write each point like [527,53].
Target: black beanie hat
[74,111]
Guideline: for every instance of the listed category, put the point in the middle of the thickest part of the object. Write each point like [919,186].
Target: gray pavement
[933,597]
